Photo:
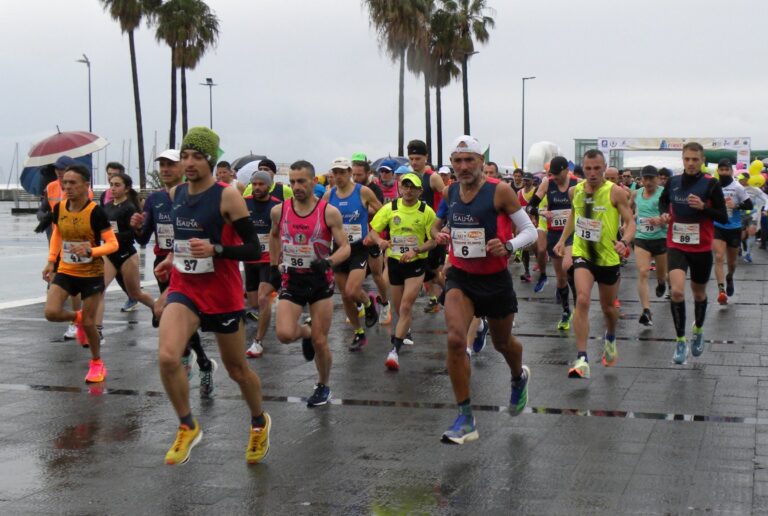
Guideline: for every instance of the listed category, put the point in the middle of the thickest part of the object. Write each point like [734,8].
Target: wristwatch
[89,252]
[217,250]
[509,247]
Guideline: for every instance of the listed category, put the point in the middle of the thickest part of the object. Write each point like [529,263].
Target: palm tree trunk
[184,125]
[439,117]
[401,107]
[172,136]
[466,93]
[137,104]
[428,114]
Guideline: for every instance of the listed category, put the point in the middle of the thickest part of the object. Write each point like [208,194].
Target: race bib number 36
[589,229]
[298,256]
[685,233]
[468,243]
[165,236]
[69,257]
[184,262]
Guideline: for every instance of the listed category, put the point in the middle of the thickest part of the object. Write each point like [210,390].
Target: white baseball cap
[444,170]
[466,143]
[342,162]
[170,154]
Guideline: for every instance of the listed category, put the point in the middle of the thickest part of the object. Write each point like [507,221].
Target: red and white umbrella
[71,143]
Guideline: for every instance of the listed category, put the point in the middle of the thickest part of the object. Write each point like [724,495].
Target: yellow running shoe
[258,444]
[610,354]
[186,439]
[579,369]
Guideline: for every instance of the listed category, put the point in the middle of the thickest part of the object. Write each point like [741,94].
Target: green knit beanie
[204,141]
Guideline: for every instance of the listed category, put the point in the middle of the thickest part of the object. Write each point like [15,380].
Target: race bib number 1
[685,233]
[468,243]
[184,262]
[589,229]
[165,236]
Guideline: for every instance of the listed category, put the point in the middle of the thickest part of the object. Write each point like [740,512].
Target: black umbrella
[244,160]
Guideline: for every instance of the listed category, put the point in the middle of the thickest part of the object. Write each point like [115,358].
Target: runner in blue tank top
[357,204]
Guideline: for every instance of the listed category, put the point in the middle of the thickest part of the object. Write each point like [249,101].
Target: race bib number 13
[589,229]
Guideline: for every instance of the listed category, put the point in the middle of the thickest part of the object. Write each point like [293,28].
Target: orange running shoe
[722,298]
[80,335]
[97,372]
[616,303]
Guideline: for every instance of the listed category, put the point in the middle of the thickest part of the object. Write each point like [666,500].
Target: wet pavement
[643,437]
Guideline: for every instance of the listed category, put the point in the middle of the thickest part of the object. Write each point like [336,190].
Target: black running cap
[417,147]
[650,171]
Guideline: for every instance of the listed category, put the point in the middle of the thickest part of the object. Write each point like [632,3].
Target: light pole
[522,139]
[465,88]
[209,82]
[87,63]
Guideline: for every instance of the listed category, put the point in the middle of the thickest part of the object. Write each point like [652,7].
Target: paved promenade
[644,437]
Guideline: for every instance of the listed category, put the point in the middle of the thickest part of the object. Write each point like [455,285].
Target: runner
[279,190]
[524,195]
[478,282]
[225,174]
[157,219]
[594,223]
[261,278]
[727,239]
[752,219]
[518,180]
[387,181]
[212,231]
[556,190]
[356,203]
[689,205]
[303,229]
[79,227]
[409,223]
[650,240]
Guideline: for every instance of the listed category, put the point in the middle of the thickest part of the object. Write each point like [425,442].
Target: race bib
[68,256]
[165,236]
[184,262]
[401,244]
[298,256]
[559,218]
[644,225]
[113,223]
[589,229]
[468,243]
[354,232]
[264,243]
[685,233]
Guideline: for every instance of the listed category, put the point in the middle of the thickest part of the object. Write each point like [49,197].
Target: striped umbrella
[74,144]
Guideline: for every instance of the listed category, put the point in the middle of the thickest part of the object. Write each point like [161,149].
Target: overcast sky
[306,79]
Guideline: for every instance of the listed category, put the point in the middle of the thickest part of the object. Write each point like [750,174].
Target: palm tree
[472,25]
[396,23]
[129,13]
[420,60]
[444,55]
[169,31]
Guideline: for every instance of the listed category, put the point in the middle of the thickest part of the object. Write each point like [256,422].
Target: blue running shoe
[130,305]
[748,257]
[519,398]
[479,343]
[540,284]
[697,343]
[320,396]
[681,351]
[462,431]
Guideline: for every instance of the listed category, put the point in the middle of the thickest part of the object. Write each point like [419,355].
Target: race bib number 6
[186,263]
[589,229]
[685,233]
[468,243]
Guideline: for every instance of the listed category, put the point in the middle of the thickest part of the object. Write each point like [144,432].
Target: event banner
[741,145]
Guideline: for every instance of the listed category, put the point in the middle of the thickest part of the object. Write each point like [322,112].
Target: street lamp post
[209,82]
[465,88]
[87,63]
[522,139]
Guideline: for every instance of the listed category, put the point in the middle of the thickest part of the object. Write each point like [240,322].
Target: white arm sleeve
[526,232]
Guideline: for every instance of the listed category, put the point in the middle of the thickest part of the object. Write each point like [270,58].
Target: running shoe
[256,350]
[519,397]
[371,316]
[320,396]
[540,284]
[697,342]
[681,351]
[616,303]
[206,380]
[258,442]
[463,430]
[661,288]
[722,297]
[748,257]
[610,354]
[653,266]
[565,321]
[80,335]
[393,361]
[480,337]
[385,313]
[252,315]
[526,278]
[71,332]
[646,319]
[360,313]
[130,305]
[579,369]
[432,306]
[188,362]
[186,439]
[307,348]
[729,287]
[97,372]
[408,340]
[359,342]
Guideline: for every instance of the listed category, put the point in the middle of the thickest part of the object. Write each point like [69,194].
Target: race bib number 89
[685,233]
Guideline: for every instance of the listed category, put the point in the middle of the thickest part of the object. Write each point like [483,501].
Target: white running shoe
[385,313]
[71,332]
[256,350]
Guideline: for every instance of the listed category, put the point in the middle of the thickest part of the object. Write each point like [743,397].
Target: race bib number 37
[186,263]
[685,233]
[589,229]
[468,243]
